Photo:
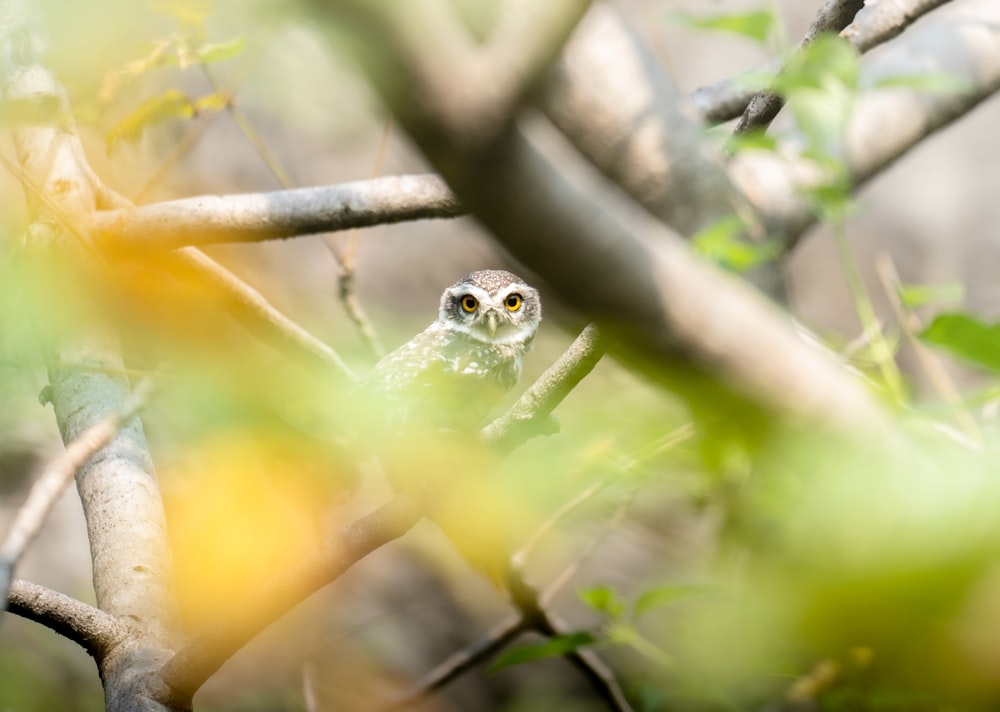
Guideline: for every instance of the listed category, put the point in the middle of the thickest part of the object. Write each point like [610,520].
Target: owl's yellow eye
[513,302]
[469,303]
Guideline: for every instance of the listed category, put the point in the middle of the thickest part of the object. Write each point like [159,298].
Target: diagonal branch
[834,16]
[960,43]
[55,477]
[876,23]
[92,629]
[201,656]
[533,409]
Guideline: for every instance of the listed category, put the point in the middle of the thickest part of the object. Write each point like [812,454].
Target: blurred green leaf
[967,337]
[218,52]
[663,596]
[722,243]
[828,59]
[551,648]
[753,140]
[928,82]
[918,295]
[757,25]
[173,103]
[605,600]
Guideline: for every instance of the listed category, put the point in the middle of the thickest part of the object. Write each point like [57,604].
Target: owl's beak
[491,324]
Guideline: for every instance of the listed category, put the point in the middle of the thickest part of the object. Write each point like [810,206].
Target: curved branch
[252,217]
[188,669]
[94,630]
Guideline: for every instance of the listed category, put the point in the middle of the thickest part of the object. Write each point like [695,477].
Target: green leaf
[827,60]
[918,295]
[757,26]
[173,103]
[756,140]
[220,51]
[551,648]
[967,337]
[941,82]
[605,600]
[723,244]
[664,595]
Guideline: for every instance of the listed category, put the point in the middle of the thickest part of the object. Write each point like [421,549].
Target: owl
[454,372]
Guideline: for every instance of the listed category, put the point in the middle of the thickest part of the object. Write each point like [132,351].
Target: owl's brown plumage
[456,370]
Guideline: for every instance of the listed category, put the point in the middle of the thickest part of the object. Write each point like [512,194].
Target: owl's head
[493,306]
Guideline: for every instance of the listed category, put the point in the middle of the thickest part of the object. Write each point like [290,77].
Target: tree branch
[54,478]
[834,16]
[94,630]
[533,408]
[877,23]
[252,217]
[201,656]
[960,42]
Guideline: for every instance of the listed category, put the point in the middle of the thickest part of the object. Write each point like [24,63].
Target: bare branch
[875,24]
[534,407]
[881,21]
[252,217]
[194,663]
[459,662]
[54,479]
[92,629]
[834,16]
[255,313]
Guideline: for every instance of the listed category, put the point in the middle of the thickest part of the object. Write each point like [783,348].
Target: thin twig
[91,628]
[458,663]
[55,477]
[909,322]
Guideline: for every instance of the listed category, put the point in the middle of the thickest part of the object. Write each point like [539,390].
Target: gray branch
[533,409]
[875,24]
[54,478]
[961,42]
[94,630]
[834,16]
[210,219]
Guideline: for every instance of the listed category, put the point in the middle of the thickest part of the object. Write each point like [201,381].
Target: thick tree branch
[200,657]
[94,630]
[609,94]
[210,219]
[692,324]
[53,480]
[125,520]
[876,23]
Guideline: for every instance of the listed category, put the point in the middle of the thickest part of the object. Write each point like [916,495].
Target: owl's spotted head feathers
[492,306]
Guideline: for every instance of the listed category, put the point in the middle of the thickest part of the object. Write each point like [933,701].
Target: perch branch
[56,476]
[536,404]
[94,630]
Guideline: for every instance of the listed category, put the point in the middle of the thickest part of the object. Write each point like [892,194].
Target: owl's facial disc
[492,318]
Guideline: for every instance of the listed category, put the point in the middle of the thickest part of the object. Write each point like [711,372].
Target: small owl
[457,369]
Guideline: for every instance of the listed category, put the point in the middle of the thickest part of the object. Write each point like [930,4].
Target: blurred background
[406,608]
